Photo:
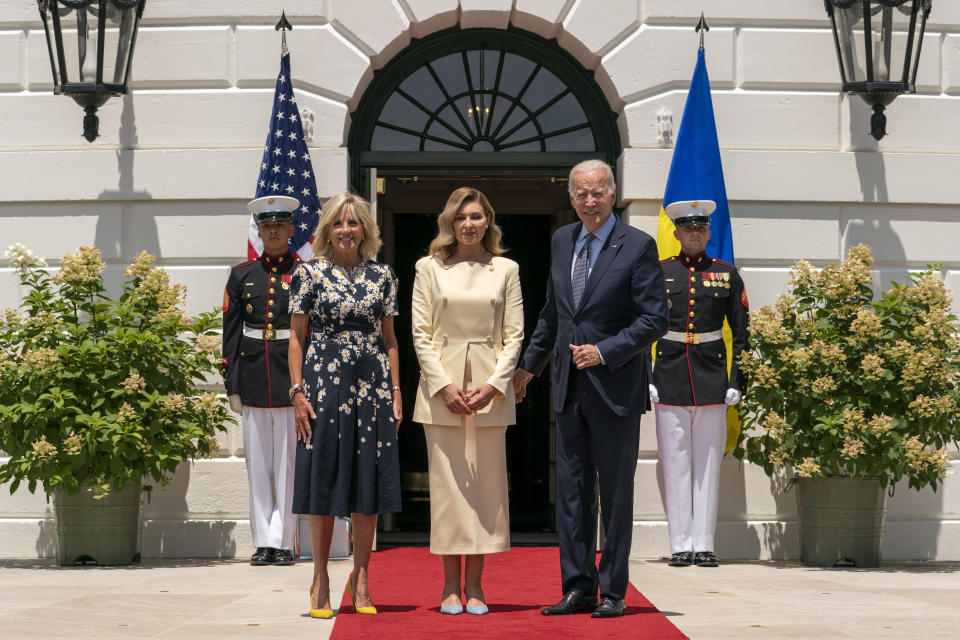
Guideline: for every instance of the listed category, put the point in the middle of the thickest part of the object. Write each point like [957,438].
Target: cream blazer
[467,315]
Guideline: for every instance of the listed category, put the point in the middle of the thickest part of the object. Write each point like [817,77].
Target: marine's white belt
[693,338]
[266,334]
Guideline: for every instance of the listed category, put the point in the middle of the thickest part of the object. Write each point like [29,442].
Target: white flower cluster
[21,257]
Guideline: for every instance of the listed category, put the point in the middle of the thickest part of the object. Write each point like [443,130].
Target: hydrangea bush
[843,383]
[100,391]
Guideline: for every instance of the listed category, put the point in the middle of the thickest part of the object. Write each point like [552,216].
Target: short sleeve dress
[351,464]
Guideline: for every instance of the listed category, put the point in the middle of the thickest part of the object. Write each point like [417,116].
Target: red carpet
[406,583]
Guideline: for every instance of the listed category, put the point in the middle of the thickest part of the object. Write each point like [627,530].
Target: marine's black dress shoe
[681,559]
[609,608]
[282,557]
[705,559]
[573,602]
[262,557]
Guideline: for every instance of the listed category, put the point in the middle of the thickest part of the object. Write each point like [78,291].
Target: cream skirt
[469,512]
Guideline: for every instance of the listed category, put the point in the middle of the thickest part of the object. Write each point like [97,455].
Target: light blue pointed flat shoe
[450,609]
[476,609]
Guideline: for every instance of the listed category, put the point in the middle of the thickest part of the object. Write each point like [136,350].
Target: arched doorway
[481,99]
[509,113]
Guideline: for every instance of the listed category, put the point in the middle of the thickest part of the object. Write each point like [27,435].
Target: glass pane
[512,121]
[403,113]
[544,87]
[473,117]
[516,71]
[389,140]
[580,140]
[116,50]
[87,25]
[438,130]
[431,145]
[564,113]
[524,132]
[450,117]
[475,61]
[498,109]
[528,146]
[889,29]
[420,85]
[450,70]
[490,61]
[80,53]
[850,34]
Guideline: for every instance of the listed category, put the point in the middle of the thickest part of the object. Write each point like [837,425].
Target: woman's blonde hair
[369,245]
[446,241]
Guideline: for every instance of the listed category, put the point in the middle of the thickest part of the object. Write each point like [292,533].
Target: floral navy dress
[352,463]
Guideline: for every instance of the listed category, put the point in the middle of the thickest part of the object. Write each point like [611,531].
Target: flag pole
[284,25]
[702,27]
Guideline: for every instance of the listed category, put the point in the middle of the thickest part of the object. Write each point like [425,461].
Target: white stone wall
[178,157]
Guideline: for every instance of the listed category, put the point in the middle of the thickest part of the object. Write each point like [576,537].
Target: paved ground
[229,599]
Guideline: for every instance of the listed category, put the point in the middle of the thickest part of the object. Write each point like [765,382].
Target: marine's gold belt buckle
[269,334]
[691,338]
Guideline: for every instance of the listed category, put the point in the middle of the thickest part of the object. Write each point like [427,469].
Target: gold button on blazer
[467,317]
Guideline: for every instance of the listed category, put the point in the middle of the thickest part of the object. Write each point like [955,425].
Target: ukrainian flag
[697,174]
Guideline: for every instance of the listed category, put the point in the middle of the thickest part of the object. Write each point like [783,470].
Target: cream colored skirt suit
[467,330]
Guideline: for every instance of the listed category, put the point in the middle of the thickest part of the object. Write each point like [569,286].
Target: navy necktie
[580,268]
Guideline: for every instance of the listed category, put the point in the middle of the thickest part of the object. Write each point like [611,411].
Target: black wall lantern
[878,48]
[91,47]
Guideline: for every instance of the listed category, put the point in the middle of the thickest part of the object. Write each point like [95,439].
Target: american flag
[286,170]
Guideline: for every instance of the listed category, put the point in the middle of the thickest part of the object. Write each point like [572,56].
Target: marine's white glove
[235,403]
[654,396]
[733,397]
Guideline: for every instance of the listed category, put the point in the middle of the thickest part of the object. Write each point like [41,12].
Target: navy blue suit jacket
[623,311]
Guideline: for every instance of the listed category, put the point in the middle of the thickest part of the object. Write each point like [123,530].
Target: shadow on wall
[780,537]
[867,152]
[742,534]
[871,225]
[46,544]
[135,236]
[168,531]
[737,539]
[169,501]
[189,538]
[913,524]
[773,536]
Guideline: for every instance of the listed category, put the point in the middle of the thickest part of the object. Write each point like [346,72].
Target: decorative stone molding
[307,118]
[664,126]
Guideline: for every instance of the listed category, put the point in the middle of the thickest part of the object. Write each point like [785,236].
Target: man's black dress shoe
[262,556]
[706,559]
[609,608]
[282,557]
[681,559]
[573,602]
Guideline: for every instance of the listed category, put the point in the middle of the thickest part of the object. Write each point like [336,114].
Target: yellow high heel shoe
[369,611]
[323,614]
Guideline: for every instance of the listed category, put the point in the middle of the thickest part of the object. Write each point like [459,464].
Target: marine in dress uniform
[256,331]
[691,388]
